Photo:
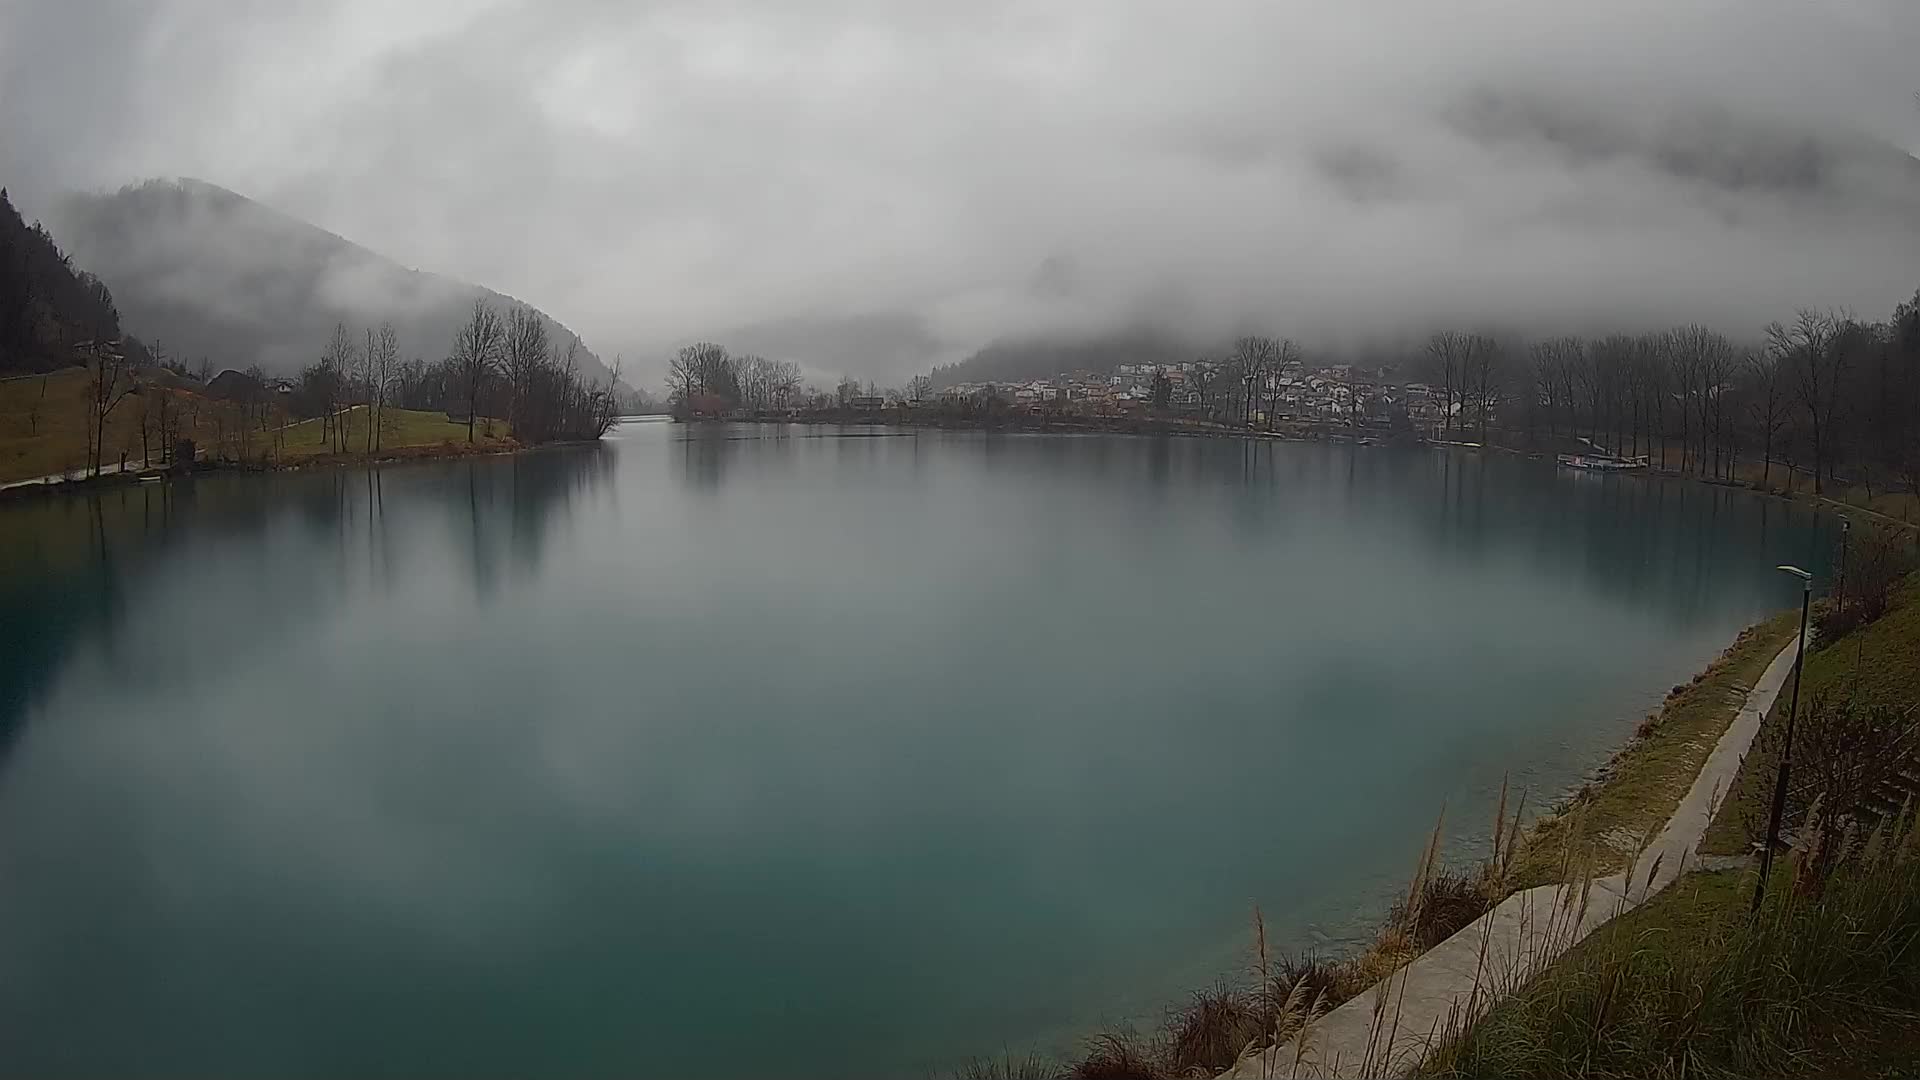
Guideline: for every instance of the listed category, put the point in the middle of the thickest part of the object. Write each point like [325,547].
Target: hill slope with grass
[43,431]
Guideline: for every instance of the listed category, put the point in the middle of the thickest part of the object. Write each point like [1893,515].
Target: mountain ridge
[204,271]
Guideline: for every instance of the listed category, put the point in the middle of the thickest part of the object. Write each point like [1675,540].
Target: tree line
[703,378]
[1827,392]
[498,367]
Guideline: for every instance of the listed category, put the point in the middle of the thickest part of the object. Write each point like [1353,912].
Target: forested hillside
[47,306]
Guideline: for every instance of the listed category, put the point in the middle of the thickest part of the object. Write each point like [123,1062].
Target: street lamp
[1839,595]
[1786,751]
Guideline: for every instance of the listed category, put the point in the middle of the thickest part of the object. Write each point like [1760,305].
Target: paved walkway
[1386,1030]
[106,469]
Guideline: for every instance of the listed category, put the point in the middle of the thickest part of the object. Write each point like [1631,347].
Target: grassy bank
[43,430]
[1691,985]
[404,433]
[1601,826]
[1881,661]
[1634,794]
[1826,979]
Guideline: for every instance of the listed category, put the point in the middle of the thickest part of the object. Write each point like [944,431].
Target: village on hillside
[1203,389]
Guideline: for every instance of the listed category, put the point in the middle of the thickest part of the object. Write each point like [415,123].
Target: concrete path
[106,469]
[1387,1030]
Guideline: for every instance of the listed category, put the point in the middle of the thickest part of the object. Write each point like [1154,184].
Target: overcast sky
[872,185]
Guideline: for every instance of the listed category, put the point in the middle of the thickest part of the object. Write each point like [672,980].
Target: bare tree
[1447,352]
[524,352]
[328,381]
[697,372]
[1254,356]
[1705,361]
[109,381]
[1768,405]
[476,355]
[1905,346]
[381,358]
[1465,365]
[1481,376]
[786,384]
[683,378]
[753,375]
[1814,352]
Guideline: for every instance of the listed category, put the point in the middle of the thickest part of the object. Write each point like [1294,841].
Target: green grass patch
[1882,659]
[43,428]
[401,430]
[1643,784]
[43,425]
[1691,985]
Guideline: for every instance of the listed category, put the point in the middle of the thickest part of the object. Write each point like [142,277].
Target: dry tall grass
[1277,1001]
[1693,986]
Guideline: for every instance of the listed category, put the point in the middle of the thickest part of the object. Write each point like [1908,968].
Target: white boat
[1602,462]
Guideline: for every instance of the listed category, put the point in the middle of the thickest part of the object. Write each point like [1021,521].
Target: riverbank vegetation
[1860,702]
[1821,982]
[79,398]
[44,420]
[1825,979]
[357,402]
[1609,818]
[1276,995]
[1600,829]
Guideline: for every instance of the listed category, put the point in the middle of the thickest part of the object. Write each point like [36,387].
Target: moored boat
[1602,462]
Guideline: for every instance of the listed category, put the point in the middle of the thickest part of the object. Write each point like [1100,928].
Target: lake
[759,751]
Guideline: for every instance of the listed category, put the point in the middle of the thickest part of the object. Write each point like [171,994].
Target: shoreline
[1597,826]
[1063,424]
[1330,434]
[25,490]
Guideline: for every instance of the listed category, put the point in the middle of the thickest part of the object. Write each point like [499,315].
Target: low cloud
[874,187]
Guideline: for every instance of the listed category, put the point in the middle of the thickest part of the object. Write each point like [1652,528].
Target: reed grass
[1008,1067]
[1691,985]
[1275,1005]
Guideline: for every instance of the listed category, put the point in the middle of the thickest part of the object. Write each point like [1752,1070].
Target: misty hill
[46,305]
[1711,150]
[1018,361]
[202,271]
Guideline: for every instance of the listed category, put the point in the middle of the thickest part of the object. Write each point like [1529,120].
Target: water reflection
[703,452]
[611,756]
[74,566]
[1667,544]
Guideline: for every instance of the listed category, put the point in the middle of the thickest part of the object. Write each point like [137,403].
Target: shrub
[1447,903]
[1031,1067]
[1868,568]
[1119,1056]
[1211,1030]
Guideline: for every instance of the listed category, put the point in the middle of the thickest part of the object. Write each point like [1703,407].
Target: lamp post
[1786,750]
[1839,595]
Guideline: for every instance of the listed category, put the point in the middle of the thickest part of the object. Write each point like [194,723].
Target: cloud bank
[871,186]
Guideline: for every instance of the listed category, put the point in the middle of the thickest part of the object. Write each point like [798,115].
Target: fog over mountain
[873,188]
[205,272]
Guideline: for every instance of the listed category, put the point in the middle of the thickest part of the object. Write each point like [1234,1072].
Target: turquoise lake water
[756,751]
